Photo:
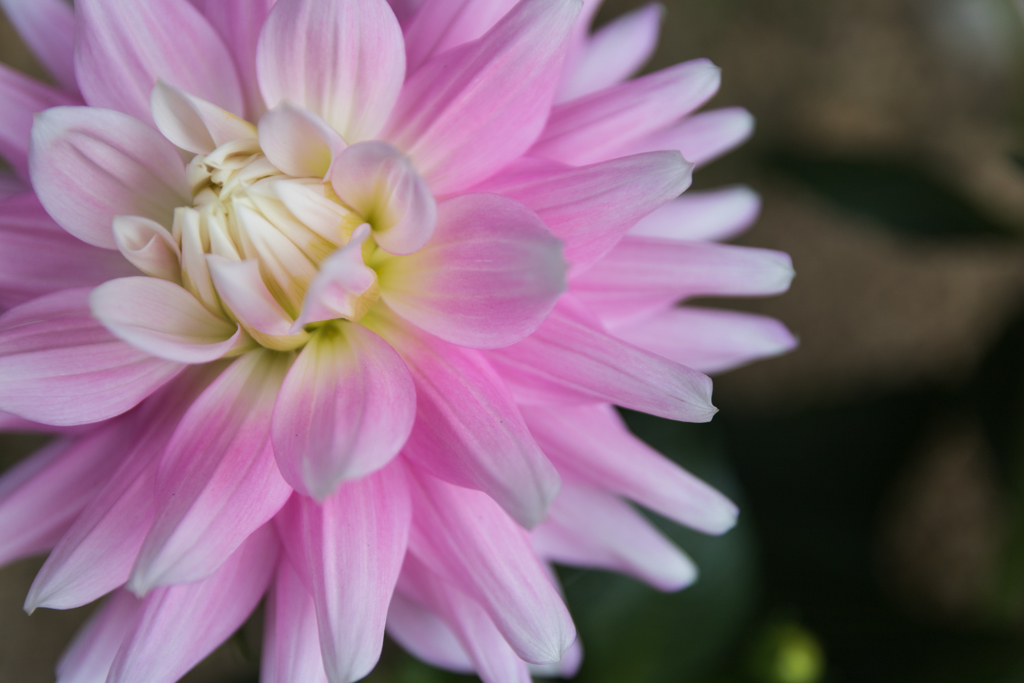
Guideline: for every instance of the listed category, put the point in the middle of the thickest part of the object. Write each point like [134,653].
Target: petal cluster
[329,301]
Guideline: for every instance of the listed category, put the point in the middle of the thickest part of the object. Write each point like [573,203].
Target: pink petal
[404,9]
[351,550]
[591,208]
[149,247]
[709,340]
[194,124]
[342,60]
[60,366]
[710,215]
[178,626]
[642,274]
[468,429]
[89,165]
[123,47]
[10,185]
[424,635]
[88,658]
[615,52]
[345,410]
[472,110]
[291,642]
[593,445]
[96,554]
[42,495]
[239,22]
[464,536]
[590,528]
[163,319]
[38,257]
[488,277]
[468,622]
[440,25]
[21,98]
[299,142]
[703,137]
[48,28]
[597,127]
[343,288]
[217,481]
[381,185]
[570,359]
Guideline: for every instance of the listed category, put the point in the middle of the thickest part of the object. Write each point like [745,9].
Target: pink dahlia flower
[329,301]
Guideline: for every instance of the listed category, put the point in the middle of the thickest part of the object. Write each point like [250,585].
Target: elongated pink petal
[570,359]
[467,622]
[345,409]
[123,47]
[291,641]
[470,111]
[60,366]
[380,183]
[88,658]
[48,28]
[38,257]
[351,549]
[703,137]
[590,528]
[194,124]
[614,53]
[299,142]
[487,279]
[593,444]
[468,430]
[440,25]
[163,319]
[21,98]
[89,165]
[343,61]
[709,340]
[643,274]
[710,215]
[424,635]
[96,554]
[597,127]
[217,481]
[591,208]
[239,22]
[178,626]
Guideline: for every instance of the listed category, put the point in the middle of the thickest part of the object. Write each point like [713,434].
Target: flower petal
[344,287]
[380,183]
[21,98]
[488,277]
[89,165]
[345,409]
[713,215]
[60,366]
[123,47]
[291,641]
[48,28]
[468,429]
[440,25]
[217,482]
[592,207]
[350,549]
[464,536]
[703,137]
[709,340]
[423,634]
[239,22]
[178,626]
[342,60]
[570,359]
[194,124]
[615,52]
[163,319]
[88,658]
[597,127]
[593,445]
[149,247]
[472,110]
[299,142]
[590,528]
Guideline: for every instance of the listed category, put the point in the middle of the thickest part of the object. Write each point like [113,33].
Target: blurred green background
[880,468]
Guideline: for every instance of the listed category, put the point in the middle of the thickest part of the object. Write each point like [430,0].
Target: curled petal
[299,142]
[378,182]
[344,288]
[487,279]
[149,247]
[194,124]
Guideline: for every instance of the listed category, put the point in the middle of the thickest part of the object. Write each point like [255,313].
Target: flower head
[331,299]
